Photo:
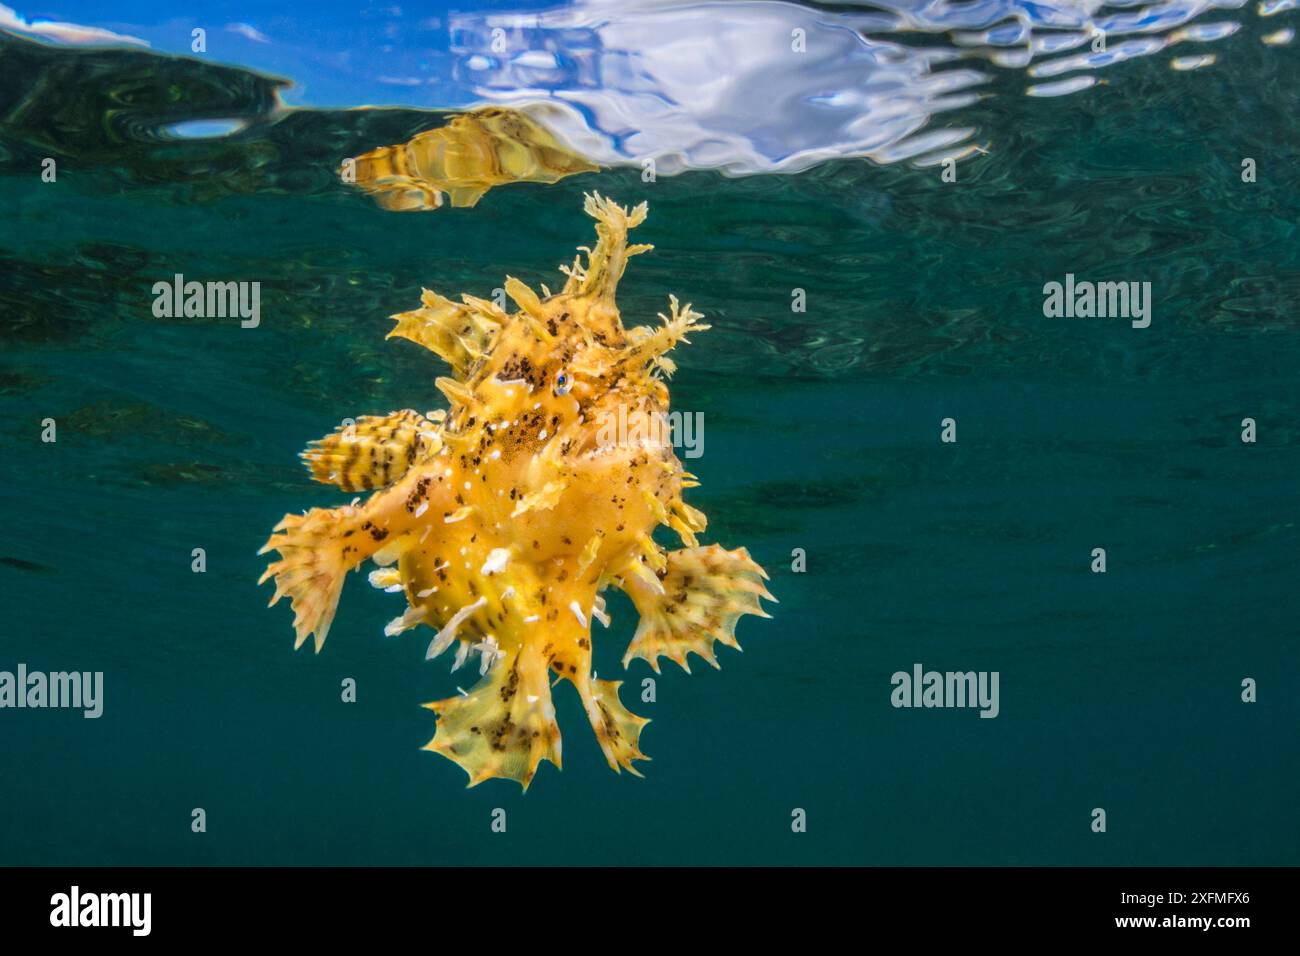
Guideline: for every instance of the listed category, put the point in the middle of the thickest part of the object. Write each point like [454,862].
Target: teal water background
[1119,691]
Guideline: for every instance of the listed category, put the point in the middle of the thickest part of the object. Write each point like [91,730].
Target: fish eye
[563,383]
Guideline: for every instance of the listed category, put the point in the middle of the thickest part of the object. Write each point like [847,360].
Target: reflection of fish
[467,157]
[504,518]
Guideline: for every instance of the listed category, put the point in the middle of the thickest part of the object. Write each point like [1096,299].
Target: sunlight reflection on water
[752,87]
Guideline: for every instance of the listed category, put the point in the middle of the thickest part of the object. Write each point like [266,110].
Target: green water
[924,302]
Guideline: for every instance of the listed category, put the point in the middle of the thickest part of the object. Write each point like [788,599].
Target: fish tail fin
[391,175]
[313,563]
[373,452]
[701,595]
[505,726]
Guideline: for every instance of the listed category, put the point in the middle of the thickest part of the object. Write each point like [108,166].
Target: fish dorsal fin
[374,452]
[459,333]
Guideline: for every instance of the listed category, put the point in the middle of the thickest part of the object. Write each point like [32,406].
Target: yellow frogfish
[503,518]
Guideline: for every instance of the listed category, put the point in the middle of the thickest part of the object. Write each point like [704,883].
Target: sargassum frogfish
[503,518]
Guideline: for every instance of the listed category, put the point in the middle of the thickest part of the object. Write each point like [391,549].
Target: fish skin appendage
[503,518]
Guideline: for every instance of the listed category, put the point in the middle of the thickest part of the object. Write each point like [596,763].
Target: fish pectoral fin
[374,452]
[618,730]
[505,726]
[702,593]
[313,563]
